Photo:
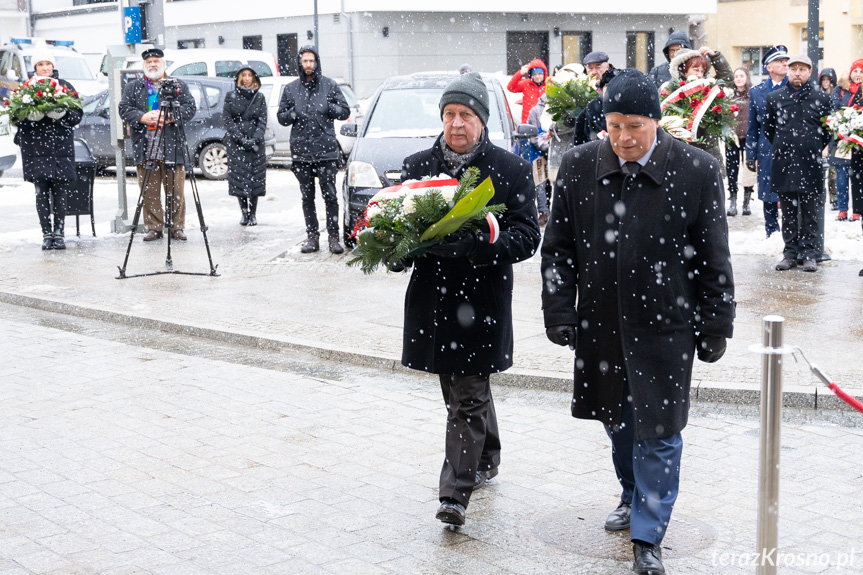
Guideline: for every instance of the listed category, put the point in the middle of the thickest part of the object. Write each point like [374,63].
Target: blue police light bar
[69,43]
[21,40]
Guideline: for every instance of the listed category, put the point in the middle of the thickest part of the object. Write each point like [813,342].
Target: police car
[16,65]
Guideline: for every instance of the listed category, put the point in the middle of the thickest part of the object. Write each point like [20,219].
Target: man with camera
[153,107]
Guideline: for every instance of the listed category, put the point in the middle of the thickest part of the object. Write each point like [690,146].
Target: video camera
[169,90]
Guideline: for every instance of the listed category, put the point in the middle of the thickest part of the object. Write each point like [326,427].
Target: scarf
[454,161]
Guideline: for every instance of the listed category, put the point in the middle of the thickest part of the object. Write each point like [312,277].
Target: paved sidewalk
[119,456]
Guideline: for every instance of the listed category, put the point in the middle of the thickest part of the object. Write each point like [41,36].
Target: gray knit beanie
[468,90]
[631,92]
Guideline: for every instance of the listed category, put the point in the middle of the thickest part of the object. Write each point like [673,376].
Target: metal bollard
[771,418]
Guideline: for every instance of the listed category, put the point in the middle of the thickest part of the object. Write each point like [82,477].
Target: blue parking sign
[132,25]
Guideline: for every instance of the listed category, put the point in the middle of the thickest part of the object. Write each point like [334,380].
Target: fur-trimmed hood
[683,56]
[844,83]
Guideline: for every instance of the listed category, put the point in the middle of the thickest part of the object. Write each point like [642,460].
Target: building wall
[431,41]
[742,23]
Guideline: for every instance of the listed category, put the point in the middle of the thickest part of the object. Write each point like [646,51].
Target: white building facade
[366,41]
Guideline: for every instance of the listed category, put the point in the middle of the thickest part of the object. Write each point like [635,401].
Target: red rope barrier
[844,396]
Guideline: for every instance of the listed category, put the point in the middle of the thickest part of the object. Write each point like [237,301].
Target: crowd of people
[803,145]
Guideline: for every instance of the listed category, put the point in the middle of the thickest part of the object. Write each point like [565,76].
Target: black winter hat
[468,90]
[631,92]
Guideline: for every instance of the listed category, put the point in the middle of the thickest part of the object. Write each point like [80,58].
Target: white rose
[563,76]
[408,206]
[373,211]
[27,99]
[849,113]
[448,194]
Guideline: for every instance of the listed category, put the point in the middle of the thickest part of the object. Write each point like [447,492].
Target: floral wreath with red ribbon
[703,105]
[38,97]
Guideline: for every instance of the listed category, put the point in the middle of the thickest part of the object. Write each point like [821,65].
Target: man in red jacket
[530,81]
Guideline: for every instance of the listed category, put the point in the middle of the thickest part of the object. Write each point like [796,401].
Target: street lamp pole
[316,28]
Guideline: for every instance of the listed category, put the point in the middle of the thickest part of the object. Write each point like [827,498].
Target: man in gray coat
[637,280]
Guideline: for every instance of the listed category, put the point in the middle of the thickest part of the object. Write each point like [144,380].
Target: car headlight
[363,175]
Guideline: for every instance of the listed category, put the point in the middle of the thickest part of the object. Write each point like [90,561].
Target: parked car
[272,88]
[403,118]
[8,150]
[16,65]
[204,132]
[212,63]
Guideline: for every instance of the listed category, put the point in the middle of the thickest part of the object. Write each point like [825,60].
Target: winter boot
[253,207]
[732,204]
[335,246]
[311,245]
[48,241]
[59,226]
[747,195]
[244,220]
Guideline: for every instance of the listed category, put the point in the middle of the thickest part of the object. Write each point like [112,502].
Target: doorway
[522,47]
[286,48]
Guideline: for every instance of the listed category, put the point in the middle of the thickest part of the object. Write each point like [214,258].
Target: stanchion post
[771,418]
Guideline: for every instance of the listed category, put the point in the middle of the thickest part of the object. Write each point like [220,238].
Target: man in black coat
[458,305]
[793,125]
[48,155]
[157,144]
[637,279]
[590,123]
[310,104]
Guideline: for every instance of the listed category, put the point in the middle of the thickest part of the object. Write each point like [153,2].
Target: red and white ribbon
[703,108]
[493,228]
[684,91]
[392,192]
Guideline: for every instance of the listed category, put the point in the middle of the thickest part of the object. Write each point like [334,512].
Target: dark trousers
[800,224]
[649,473]
[325,172]
[857,181]
[472,438]
[51,199]
[771,217]
[732,163]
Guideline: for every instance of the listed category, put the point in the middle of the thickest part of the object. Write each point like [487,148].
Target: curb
[801,397]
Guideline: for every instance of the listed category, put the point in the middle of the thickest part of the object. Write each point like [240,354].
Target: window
[194,69]
[576,45]
[226,68]
[193,43]
[253,42]
[640,47]
[195,91]
[214,95]
[260,68]
[94,105]
[751,57]
[349,96]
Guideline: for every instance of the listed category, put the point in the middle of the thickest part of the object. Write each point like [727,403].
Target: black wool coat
[794,128]
[458,312]
[310,107]
[639,265]
[590,122]
[133,105]
[245,118]
[48,146]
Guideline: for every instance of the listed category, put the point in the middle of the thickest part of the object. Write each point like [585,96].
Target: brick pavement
[131,451]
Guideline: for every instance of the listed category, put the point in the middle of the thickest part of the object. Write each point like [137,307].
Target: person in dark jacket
[310,104]
[48,156]
[590,123]
[827,82]
[660,74]
[157,139]
[458,304]
[792,124]
[637,280]
[245,118]
[734,150]
[759,152]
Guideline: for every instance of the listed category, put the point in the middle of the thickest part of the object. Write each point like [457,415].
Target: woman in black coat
[48,157]
[245,118]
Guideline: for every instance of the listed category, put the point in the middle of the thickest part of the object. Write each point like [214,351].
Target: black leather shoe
[648,559]
[59,242]
[335,246]
[810,266]
[483,476]
[47,242]
[618,520]
[451,512]
[786,264]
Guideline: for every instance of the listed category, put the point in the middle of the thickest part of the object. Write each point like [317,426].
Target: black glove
[561,335]
[710,348]
[455,246]
[752,165]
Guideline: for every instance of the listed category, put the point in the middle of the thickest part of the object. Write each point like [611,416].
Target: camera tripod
[168,114]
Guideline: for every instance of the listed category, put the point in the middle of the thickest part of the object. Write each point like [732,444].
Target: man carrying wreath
[48,154]
[458,304]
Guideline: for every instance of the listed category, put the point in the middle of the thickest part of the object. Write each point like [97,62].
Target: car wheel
[213,161]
